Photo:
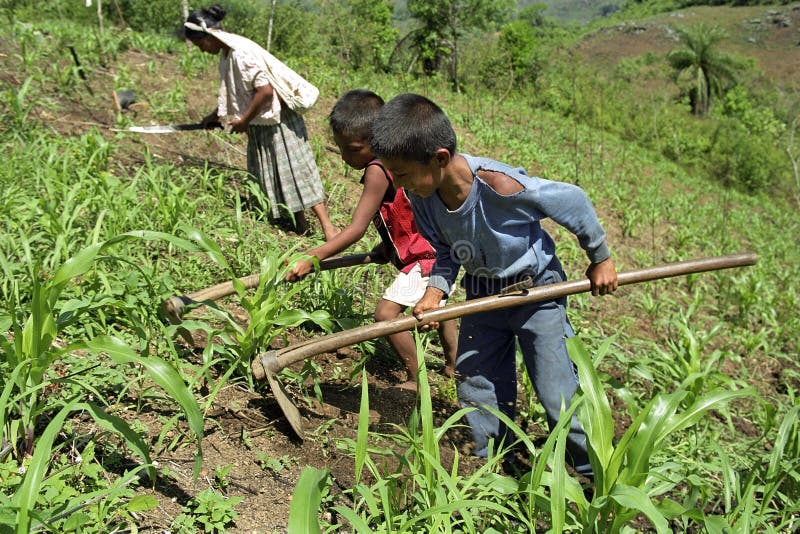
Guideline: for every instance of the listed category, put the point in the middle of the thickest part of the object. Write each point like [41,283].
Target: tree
[361,31]
[444,22]
[699,62]
[520,39]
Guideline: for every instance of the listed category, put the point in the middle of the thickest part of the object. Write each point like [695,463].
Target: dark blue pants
[486,364]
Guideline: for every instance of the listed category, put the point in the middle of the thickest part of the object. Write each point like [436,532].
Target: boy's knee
[386,311]
[383,315]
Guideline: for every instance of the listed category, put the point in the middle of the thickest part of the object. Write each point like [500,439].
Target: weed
[274,465]
[208,511]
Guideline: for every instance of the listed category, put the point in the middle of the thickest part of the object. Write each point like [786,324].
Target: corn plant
[625,481]
[19,105]
[34,349]
[270,313]
[306,499]
[764,496]
[413,492]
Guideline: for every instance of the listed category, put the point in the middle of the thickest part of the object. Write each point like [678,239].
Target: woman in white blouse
[250,100]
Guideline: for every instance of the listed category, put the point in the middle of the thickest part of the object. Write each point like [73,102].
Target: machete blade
[165,128]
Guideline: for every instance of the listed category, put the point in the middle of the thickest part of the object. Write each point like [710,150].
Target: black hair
[210,17]
[411,127]
[354,113]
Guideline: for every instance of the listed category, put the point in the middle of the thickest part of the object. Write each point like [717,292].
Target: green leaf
[83,260]
[354,519]
[559,472]
[28,492]
[119,426]
[162,374]
[648,435]
[142,503]
[295,317]
[699,408]
[596,412]
[429,444]
[363,428]
[636,499]
[154,236]
[5,403]
[786,432]
[76,265]
[450,507]
[208,245]
[306,499]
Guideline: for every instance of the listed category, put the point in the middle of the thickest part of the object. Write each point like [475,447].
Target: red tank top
[398,230]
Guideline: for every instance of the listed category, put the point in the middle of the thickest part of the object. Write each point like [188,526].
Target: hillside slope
[730,329]
[579,11]
[768,36]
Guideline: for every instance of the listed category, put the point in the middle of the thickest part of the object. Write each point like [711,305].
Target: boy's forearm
[340,242]
[433,296]
[600,253]
[570,206]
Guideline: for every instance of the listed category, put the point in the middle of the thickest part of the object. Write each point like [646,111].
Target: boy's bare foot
[408,385]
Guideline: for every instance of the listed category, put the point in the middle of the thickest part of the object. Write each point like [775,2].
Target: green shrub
[739,159]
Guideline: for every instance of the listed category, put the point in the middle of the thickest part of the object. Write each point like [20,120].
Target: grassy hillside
[700,373]
[580,11]
[764,35]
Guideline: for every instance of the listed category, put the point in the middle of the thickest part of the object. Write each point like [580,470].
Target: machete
[170,128]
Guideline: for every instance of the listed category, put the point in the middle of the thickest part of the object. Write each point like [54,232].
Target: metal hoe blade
[290,411]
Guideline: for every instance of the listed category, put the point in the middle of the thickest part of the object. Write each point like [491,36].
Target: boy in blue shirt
[485,216]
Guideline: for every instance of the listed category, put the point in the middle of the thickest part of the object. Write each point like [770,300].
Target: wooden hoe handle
[274,361]
[173,306]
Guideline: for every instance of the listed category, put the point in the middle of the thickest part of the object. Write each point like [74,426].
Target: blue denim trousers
[486,364]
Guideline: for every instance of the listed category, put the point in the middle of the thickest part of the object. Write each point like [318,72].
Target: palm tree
[703,65]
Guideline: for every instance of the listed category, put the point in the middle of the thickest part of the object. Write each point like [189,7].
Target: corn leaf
[119,426]
[699,408]
[162,374]
[354,519]
[363,427]
[636,499]
[208,245]
[596,413]
[27,494]
[306,499]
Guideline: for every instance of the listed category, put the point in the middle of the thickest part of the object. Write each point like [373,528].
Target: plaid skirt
[281,160]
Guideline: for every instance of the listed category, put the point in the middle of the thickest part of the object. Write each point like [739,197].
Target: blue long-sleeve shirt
[500,236]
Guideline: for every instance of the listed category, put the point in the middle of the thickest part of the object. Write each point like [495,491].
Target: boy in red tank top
[387,207]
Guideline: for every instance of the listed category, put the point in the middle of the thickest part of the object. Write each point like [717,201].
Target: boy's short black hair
[411,127]
[354,113]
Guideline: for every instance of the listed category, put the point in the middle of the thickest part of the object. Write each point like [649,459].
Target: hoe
[268,364]
[173,307]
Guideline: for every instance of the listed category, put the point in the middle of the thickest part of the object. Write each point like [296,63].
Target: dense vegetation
[689,390]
